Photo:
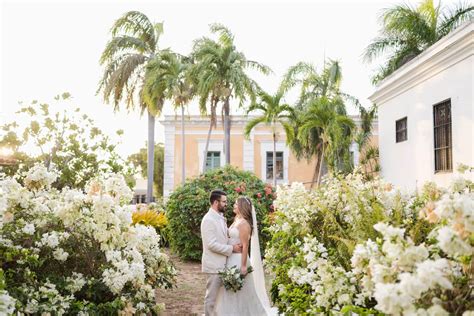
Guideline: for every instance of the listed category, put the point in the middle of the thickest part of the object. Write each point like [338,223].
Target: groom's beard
[221,209]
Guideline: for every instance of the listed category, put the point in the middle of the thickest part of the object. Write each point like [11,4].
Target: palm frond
[345,121]
[225,35]
[251,125]
[335,74]
[351,99]
[260,67]
[379,46]
[454,17]
[405,22]
[256,106]
[159,29]
[119,75]
[430,12]
[407,31]
[301,68]
[289,131]
[122,44]
[136,24]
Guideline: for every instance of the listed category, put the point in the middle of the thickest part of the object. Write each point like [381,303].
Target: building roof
[451,49]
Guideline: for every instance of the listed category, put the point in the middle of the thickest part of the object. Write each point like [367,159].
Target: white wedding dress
[246,301]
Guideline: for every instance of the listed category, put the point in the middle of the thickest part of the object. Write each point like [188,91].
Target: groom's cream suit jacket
[215,249]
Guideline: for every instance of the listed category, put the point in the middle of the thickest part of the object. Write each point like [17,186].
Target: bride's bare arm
[244,232]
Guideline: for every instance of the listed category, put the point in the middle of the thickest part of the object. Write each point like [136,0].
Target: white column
[355,149]
[249,153]
[168,172]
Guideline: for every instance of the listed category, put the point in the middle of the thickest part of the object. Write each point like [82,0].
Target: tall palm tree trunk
[211,125]
[274,159]
[321,165]
[207,147]
[227,131]
[151,156]
[316,170]
[183,148]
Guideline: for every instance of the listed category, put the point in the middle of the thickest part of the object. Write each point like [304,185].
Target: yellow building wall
[236,151]
[300,171]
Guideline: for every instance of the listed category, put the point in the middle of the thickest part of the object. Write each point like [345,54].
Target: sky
[49,47]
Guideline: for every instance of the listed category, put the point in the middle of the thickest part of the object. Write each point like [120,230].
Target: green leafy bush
[189,203]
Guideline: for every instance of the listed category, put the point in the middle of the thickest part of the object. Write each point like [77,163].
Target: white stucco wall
[410,163]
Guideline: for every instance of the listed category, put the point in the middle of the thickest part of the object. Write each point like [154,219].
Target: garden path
[187,298]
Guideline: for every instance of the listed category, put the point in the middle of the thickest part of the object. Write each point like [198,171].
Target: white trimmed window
[139,199]
[401,130]
[279,165]
[215,154]
[213,160]
[443,142]
[282,156]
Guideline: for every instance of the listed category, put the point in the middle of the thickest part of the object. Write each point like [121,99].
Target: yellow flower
[150,218]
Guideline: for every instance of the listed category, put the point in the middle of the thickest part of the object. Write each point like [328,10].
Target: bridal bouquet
[232,278]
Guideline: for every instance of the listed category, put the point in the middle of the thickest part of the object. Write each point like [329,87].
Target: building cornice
[203,120]
[445,53]
[237,120]
[172,124]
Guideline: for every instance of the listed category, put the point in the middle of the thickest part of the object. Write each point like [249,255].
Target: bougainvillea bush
[367,248]
[188,204]
[152,215]
[74,251]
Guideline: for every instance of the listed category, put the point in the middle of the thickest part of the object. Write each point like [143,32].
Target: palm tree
[221,74]
[273,113]
[408,31]
[134,43]
[370,162]
[334,129]
[314,87]
[314,84]
[311,148]
[367,118]
[167,75]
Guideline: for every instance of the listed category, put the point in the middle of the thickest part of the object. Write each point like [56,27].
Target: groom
[215,248]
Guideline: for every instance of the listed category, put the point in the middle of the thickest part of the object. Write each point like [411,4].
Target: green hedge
[188,204]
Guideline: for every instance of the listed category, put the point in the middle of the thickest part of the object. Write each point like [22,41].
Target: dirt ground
[187,298]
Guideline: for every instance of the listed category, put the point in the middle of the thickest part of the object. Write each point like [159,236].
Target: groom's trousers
[213,285]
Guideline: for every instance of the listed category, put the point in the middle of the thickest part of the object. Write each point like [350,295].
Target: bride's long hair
[245,207]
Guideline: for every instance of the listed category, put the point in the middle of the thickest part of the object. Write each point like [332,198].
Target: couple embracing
[227,247]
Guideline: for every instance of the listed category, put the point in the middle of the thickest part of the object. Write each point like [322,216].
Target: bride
[252,299]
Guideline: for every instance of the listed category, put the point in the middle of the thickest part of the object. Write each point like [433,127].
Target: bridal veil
[256,262]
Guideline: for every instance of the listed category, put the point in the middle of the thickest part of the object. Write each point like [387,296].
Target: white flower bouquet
[232,278]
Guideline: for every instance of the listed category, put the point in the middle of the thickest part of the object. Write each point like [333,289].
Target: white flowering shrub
[69,251]
[364,247]
[7,303]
